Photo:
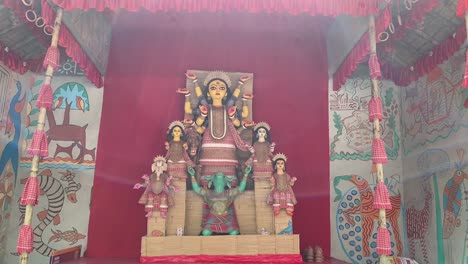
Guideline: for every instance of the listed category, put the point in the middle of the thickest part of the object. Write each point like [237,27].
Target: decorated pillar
[379,155]
[39,145]
[465,76]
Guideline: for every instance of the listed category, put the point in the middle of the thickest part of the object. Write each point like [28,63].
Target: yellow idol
[217,90]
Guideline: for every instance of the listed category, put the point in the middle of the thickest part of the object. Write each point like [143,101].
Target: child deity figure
[176,156]
[158,189]
[282,195]
[263,151]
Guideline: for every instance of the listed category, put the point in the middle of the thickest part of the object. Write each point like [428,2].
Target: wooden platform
[219,245]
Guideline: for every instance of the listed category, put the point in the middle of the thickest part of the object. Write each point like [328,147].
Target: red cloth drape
[148,58]
[359,52]
[461,7]
[424,65]
[292,7]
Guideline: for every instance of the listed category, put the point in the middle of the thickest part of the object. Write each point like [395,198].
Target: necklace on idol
[224,125]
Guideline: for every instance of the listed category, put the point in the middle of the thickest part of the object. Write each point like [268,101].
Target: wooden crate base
[219,245]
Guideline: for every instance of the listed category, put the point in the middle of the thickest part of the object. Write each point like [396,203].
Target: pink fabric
[25,240]
[52,58]
[409,21]
[381,197]
[379,155]
[374,67]
[39,145]
[291,7]
[45,97]
[14,62]
[360,51]
[424,65]
[30,192]
[462,7]
[383,242]
[465,76]
[375,109]
[72,47]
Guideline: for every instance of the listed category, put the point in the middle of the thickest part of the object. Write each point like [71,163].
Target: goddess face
[280,165]
[217,90]
[176,133]
[262,134]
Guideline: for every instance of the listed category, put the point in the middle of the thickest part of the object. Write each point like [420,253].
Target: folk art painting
[65,177]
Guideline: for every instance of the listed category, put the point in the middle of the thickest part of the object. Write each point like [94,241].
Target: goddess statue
[217,121]
[282,195]
[158,188]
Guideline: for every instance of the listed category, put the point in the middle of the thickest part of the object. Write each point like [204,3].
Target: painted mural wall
[60,220]
[435,151]
[354,225]
[13,103]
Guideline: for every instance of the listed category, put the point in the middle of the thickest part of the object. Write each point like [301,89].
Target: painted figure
[176,156]
[217,114]
[282,195]
[157,195]
[263,151]
[221,217]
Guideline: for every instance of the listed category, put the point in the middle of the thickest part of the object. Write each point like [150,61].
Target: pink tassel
[374,67]
[39,145]
[45,97]
[31,192]
[378,151]
[383,242]
[381,197]
[465,76]
[52,58]
[25,240]
[375,109]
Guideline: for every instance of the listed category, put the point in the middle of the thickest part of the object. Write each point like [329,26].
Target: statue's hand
[293,180]
[166,145]
[137,186]
[184,91]
[203,110]
[272,147]
[243,79]
[191,171]
[191,75]
[248,123]
[248,169]
[232,111]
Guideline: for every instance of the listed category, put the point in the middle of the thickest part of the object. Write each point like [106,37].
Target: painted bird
[80,103]
[288,230]
[59,102]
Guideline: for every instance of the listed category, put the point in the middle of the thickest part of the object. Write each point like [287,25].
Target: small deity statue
[263,151]
[282,195]
[158,187]
[221,217]
[177,158]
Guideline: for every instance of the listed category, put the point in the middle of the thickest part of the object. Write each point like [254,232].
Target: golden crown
[280,156]
[262,124]
[217,75]
[176,123]
[159,158]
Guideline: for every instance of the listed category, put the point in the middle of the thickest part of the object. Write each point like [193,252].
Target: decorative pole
[39,146]
[465,77]
[379,156]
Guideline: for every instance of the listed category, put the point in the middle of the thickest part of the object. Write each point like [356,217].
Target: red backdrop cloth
[148,58]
